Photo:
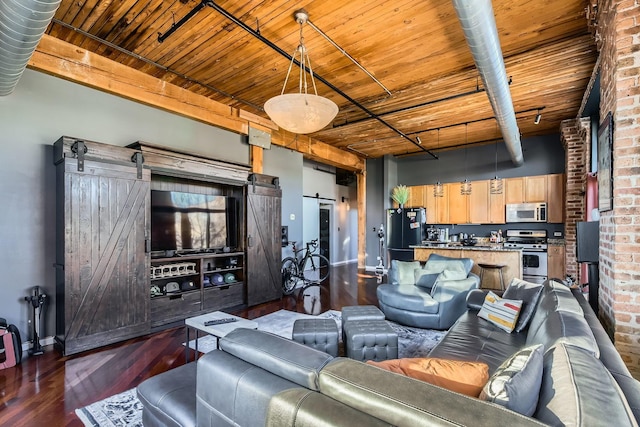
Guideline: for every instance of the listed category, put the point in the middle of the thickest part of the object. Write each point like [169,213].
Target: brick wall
[575,136]
[619,45]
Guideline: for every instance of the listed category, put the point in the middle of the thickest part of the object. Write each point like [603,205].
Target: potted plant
[400,195]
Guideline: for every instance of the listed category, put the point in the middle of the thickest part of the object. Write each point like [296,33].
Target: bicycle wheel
[289,275]
[316,268]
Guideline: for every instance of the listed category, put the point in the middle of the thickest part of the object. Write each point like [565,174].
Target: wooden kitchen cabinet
[479,211]
[535,189]
[527,189]
[442,206]
[416,196]
[430,204]
[513,189]
[437,207]
[555,261]
[482,207]
[555,198]
[458,204]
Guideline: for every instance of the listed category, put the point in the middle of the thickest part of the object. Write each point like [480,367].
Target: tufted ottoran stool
[321,334]
[370,339]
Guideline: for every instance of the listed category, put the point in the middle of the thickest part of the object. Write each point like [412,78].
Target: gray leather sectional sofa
[257,378]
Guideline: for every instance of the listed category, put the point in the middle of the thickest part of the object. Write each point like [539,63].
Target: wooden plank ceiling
[416,49]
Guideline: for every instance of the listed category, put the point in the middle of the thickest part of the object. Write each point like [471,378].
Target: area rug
[412,342]
[122,409]
[125,409]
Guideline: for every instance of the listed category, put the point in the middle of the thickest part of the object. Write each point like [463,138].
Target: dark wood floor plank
[45,390]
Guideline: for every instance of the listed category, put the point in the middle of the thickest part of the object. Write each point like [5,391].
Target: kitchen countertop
[457,246]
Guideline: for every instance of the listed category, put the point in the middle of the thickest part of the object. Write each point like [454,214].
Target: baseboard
[349,261]
[43,341]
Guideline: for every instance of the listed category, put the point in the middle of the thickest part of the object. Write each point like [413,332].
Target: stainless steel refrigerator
[405,227]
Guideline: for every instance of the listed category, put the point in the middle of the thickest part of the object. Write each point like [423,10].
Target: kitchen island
[490,254]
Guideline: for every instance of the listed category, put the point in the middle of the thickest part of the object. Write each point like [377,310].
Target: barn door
[264,221]
[106,266]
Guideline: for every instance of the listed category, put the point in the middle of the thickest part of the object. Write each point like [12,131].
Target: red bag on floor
[10,345]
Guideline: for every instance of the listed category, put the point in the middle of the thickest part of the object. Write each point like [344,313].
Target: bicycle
[311,268]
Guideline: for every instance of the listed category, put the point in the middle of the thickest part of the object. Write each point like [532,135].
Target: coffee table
[218,331]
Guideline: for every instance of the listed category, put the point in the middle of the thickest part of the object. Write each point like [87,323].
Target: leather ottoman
[370,339]
[321,334]
[360,312]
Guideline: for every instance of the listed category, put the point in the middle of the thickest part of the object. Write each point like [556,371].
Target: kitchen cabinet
[528,189]
[555,198]
[513,190]
[482,207]
[497,209]
[555,261]
[442,206]
[416,196]
[458,203]
[479,211]
[437,207]
[535,189]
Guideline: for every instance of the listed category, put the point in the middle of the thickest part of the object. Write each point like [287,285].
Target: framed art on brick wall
[605,178]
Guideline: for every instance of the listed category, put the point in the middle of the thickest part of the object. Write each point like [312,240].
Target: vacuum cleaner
[37,303]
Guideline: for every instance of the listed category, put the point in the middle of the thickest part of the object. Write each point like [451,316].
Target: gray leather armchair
[431,297]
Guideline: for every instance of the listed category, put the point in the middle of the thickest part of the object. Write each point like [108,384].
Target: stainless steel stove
[534,252]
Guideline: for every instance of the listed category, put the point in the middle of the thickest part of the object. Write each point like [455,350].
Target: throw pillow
[501,312]
[529,293]
[455,375]
[425,278]
[516,383]
[405,270]
[447,275]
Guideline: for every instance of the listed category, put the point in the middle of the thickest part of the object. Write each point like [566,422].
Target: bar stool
[492,267]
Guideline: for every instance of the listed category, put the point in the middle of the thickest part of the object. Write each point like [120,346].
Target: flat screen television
[190,222]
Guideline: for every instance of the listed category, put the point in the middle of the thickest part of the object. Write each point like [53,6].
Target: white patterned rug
[125,409]
[120,410]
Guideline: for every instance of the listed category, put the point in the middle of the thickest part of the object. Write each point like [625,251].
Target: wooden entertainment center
[110,286]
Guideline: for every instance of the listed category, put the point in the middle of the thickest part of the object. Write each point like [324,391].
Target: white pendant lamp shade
[301,112]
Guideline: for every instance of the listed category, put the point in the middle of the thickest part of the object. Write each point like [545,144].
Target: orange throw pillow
[455,375]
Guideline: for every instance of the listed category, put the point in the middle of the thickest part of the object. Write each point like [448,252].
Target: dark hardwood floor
[45,390]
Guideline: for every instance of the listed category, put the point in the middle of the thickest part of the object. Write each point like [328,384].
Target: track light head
[538,118]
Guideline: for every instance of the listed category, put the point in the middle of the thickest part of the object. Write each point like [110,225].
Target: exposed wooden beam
[257,159]
[361,181]
[61,59]
[319,152]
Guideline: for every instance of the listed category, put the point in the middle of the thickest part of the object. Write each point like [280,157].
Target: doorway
[325,231]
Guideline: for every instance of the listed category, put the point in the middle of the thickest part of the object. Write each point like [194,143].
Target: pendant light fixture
[438,189]
[301,112]
[465,186]
[495,185]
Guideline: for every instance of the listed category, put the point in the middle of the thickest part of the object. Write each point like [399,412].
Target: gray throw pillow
[516,383]
[527,292]
[405,271]
[425,278]
[445,276]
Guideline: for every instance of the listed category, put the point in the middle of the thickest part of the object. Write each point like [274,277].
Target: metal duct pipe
[479,26]
[22,24]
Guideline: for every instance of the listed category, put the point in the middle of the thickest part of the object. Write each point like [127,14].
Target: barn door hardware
[79,149]
[264,181]
[138,159]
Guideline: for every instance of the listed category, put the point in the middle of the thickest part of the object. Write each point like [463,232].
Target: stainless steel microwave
[526,212]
